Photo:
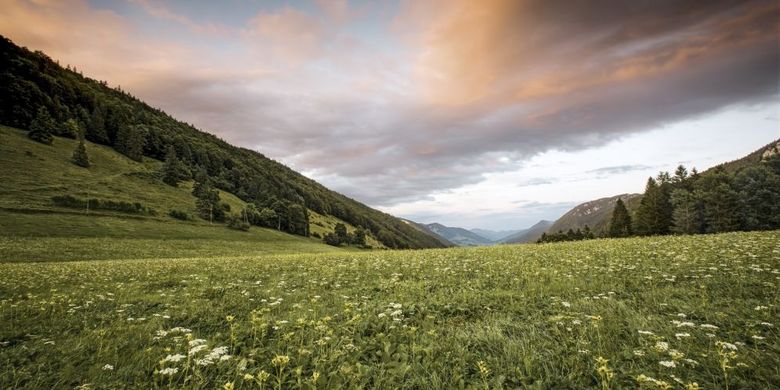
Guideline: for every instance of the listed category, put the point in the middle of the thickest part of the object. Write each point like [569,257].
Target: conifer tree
[42,127]
[173,170]
[80,156]
[620,226]
[687,215]
[654,215]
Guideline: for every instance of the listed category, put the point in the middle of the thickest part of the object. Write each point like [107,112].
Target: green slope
[33,228]
[30,81]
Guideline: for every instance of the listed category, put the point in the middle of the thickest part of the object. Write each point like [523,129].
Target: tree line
[717,201]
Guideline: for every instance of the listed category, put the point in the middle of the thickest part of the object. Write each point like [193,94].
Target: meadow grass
[67,237]
[661,312]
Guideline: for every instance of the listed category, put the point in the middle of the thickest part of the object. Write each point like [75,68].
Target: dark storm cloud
[478,88]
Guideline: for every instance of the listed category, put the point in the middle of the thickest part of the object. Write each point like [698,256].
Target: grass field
[670,312]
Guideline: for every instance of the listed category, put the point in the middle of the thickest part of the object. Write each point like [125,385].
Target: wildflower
[170,371]
[682,335]
[196,342]
[639,352]
[315,376]
[108,367]
[280,360]
[249,377]
[196,349]
[484,370]
[173,358]
[230,319]
[228,386]
[692,386]
[661,346]
[565,304]
[263,376]
[646,332]
[708,326]
[668,363]
[756,337]
[759,308]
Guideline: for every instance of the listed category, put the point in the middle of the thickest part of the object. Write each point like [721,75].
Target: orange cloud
[501,52]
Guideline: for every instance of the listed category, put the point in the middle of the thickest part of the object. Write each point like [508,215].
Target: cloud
[396,108]
[618,170]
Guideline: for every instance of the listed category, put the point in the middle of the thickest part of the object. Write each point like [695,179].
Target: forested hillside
[38,94]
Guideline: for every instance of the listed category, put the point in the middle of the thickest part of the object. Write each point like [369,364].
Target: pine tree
[96,128]
[620,226]
[173,170]
[130,141]
[80,156]
[654,215]
[341,232]
[722,209]
[42,127]
[687,215]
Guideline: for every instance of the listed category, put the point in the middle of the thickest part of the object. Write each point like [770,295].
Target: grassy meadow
[656,313]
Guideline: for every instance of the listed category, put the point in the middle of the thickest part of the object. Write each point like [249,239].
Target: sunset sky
[491,114]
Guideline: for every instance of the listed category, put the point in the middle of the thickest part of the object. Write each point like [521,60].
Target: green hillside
[595,214]
[33,173]
[32,84]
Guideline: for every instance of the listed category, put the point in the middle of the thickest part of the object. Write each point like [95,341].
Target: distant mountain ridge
[459,236]
[528,235]
[594,213]
[495,236]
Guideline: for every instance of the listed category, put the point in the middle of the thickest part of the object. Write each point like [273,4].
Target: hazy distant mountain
[494,235]
[528,235]
[459,236]
[595,213]
[426,230]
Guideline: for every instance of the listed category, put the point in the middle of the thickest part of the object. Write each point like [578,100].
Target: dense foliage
[670,312]
[32,87]
[720,200]
[102,204]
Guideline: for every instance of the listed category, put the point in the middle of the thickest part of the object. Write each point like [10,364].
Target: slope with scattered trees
[36,93]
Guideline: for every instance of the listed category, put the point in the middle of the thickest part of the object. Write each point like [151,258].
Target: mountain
[33,86]
[528,235]
[493,235]
[751,159]
[425,229]
[459,236]
[595,214]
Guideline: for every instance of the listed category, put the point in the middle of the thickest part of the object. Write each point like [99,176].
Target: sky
[491,114]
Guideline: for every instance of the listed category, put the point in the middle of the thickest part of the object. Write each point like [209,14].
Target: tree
[71,128]
[173,170]
[721,210]
[759,198]
[80,156]
[268,218]
[331,239]
[130,141]
[620,225]
[360,237]
[341,232]
[96,127]
[654,215]
[687,215]
[207,202]
[42,127]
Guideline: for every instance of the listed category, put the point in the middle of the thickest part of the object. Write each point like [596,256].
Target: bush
[98,204]
[235,221]
[178,214]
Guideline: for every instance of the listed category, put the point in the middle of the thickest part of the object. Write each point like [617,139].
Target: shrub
[179,214]
[234,221]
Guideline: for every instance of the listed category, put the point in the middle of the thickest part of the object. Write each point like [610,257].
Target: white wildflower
[668,363]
